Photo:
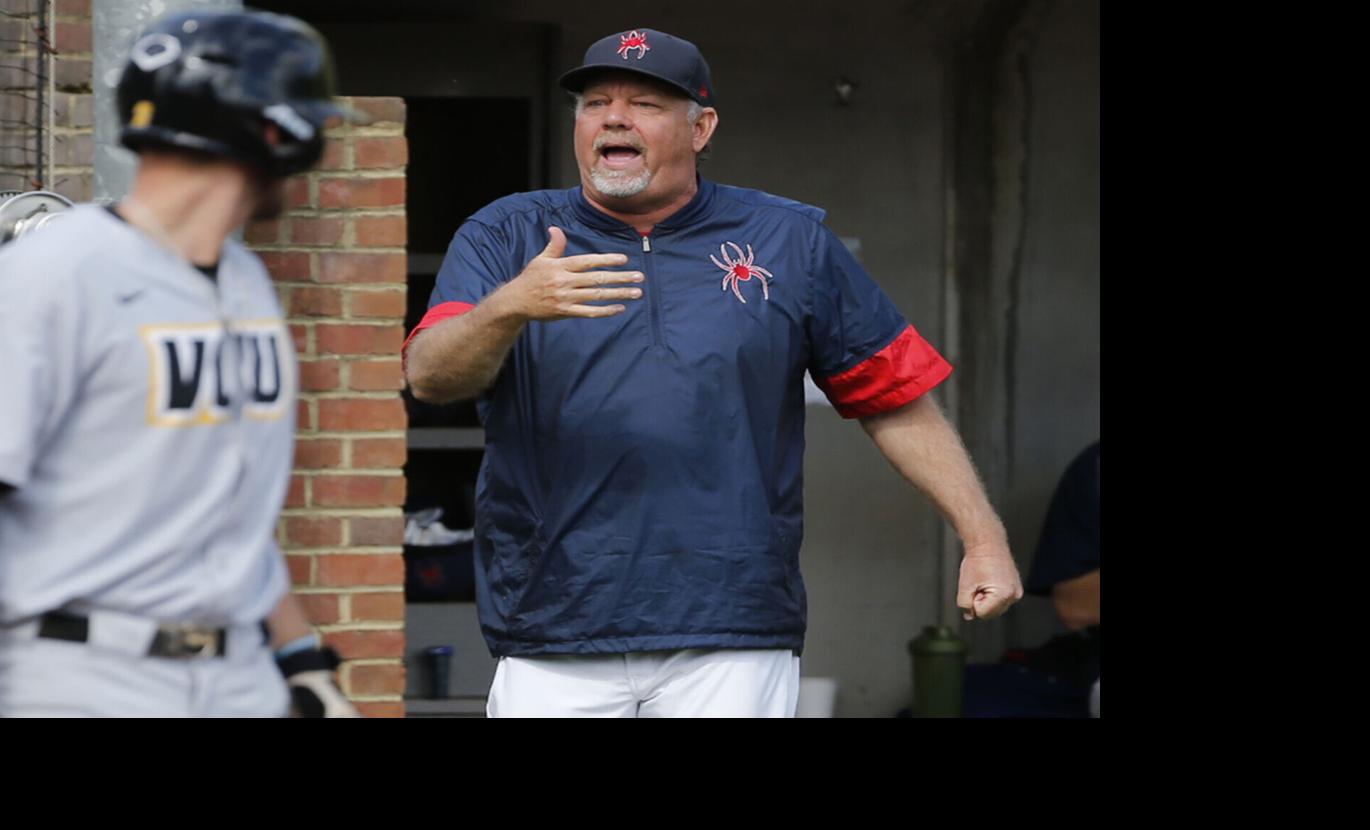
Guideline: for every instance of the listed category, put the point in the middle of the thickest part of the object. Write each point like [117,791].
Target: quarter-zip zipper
[653,292]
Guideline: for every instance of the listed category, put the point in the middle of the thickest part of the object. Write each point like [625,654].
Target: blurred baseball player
[147,421]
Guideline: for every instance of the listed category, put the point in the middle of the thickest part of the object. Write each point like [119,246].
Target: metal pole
[39,180]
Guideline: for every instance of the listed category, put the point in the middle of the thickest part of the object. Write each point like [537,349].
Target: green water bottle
[939,672]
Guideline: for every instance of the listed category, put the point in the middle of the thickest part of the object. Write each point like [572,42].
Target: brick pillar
[338,258]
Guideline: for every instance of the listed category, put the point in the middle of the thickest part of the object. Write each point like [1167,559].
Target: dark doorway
[463,154]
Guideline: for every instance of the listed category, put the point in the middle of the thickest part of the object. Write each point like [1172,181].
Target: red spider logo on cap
[633,40]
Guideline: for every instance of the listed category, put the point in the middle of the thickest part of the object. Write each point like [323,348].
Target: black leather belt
[172,639]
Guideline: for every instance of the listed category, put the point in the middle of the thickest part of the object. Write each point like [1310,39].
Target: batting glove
[313,691]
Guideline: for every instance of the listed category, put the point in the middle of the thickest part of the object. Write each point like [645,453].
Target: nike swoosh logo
[130,297]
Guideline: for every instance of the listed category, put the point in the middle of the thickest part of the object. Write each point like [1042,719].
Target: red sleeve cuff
[435,315]
[902,371]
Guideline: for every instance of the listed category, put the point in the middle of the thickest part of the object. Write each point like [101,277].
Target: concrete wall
[1055,367]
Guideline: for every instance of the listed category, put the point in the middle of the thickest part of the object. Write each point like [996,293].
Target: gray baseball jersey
[147,423]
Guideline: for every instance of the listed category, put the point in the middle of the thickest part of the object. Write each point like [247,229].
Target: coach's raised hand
[553,287]
[461,356]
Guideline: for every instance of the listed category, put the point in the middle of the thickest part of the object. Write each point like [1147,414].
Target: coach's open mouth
[619,155]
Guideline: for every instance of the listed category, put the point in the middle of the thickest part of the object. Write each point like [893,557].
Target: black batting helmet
[211,80]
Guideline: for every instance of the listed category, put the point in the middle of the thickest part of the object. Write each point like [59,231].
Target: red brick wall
[22,27]
[72,124]
[66,117]
[338,258]
[18,57]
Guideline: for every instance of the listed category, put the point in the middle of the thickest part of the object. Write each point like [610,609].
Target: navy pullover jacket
[643,474]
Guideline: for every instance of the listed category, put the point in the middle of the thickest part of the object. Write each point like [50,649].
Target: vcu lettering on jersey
[204,373]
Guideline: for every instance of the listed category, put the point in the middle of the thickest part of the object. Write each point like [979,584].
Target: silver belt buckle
[192,641]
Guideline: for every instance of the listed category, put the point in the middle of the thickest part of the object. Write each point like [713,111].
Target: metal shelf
[446,438]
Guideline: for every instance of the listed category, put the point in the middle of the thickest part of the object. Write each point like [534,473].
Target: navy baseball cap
[647,52]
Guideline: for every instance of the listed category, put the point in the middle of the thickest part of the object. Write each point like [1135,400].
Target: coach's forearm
[460,357]
[925,448]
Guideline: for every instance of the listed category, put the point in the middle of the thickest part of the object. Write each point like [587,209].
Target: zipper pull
[646,245]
